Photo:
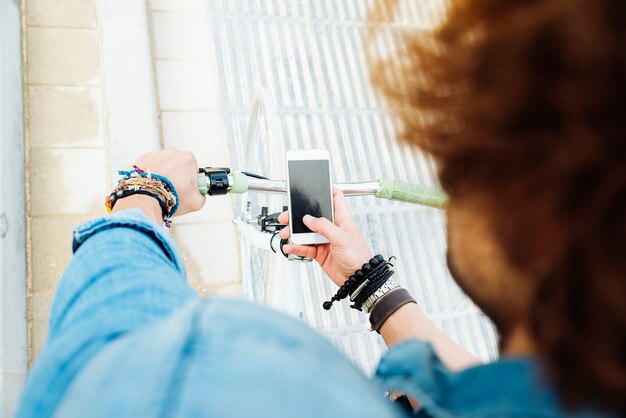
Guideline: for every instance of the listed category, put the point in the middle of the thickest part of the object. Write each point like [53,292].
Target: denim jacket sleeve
[508,387]
[117,256]
[125,274]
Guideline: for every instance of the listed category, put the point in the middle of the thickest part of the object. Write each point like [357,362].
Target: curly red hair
[522,103]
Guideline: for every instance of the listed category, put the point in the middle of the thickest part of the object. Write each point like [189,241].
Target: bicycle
[269,276]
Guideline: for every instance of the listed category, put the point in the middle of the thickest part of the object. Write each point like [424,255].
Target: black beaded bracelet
[373,282]
[377,272]
[372,266]
[368,290]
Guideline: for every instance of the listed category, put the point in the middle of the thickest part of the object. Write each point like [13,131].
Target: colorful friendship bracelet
[138,181]
[165,182]
[144,183]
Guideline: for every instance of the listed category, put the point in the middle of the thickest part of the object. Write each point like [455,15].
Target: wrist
[359,262]
[148,205]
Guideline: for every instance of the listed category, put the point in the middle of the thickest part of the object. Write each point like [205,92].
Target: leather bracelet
[386,306]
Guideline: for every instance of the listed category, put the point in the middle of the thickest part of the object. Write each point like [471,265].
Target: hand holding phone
[347,250]
[309,191]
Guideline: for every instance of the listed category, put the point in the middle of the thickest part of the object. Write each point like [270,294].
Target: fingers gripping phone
[310,192]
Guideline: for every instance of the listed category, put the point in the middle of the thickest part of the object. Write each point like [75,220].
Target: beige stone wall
[65,138]
[69,149]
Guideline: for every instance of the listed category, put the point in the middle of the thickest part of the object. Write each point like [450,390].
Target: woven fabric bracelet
[165,183]
[135,185]
[149,184]
[169,187]
[138,181]
[132,187]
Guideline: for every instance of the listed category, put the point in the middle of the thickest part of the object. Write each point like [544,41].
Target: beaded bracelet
[373,267]
[138,181]
[376,283]
[149,184]
[164,182]
[375,274]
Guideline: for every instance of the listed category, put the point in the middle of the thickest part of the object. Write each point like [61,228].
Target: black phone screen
[309,189]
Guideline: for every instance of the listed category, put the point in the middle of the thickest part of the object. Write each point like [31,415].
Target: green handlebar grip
[412,193]
[203,185]
[239,183]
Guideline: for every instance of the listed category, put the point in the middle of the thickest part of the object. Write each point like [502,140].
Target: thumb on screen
[323,226]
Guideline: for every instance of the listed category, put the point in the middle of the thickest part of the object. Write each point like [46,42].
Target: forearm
[410,322]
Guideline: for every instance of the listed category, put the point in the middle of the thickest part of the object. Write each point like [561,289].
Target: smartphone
[310,192]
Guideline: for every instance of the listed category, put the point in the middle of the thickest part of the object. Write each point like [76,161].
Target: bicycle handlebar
[219,181]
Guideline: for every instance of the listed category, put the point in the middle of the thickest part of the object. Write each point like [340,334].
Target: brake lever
[215,182]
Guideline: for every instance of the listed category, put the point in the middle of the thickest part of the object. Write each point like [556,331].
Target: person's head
[522,104]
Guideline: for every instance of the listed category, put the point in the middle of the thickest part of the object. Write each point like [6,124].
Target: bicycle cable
[256,176]
[272,241]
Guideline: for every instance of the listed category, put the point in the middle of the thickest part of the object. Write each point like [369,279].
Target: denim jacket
[129,338]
